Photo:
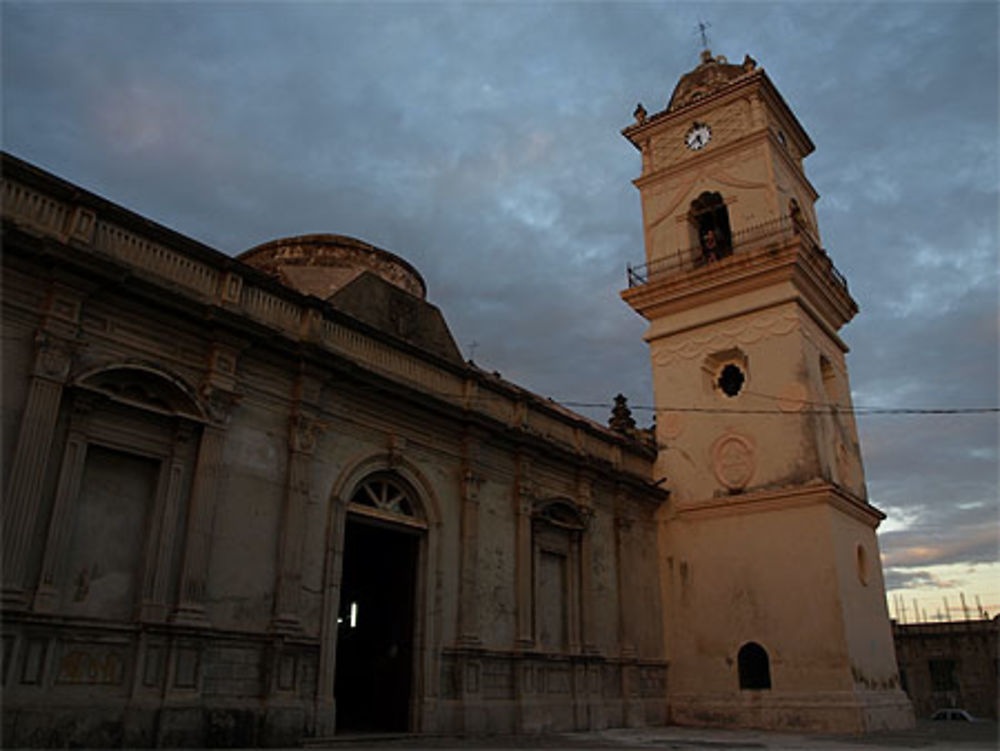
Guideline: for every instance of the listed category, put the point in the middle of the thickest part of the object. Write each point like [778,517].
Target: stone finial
[621,416]
[639,114]
[749,63]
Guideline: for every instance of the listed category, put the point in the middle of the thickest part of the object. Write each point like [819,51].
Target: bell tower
[772,586]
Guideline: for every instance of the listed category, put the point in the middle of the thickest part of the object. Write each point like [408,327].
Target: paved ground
[928,735]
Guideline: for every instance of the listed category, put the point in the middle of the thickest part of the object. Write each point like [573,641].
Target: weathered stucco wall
[767,623]
[184,444]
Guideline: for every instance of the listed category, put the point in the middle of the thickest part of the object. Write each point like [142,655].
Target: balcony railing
[765,236]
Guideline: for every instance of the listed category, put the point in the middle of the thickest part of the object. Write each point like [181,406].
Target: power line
[813,408]
[829,410]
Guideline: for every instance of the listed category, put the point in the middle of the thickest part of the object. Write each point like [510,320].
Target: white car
[953,714]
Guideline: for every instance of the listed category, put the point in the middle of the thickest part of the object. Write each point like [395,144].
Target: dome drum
[322,264]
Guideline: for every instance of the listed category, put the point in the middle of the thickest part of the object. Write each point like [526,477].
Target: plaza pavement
[934,736]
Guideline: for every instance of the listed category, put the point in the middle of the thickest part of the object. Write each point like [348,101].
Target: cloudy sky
[481,142]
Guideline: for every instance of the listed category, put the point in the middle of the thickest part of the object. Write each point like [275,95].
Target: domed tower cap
[322,264]
[712,74]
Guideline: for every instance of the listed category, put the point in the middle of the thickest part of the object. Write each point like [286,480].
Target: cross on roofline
[703,26]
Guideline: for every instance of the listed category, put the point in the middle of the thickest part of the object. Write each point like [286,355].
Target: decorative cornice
[780,499]
[824,297]
[756,80]
[42,212]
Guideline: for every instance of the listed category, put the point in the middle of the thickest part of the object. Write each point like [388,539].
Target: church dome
[712,74]
[321,265]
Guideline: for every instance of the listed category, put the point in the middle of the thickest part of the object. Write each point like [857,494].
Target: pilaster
[628,613]
[208,475]
[46,597]
[626,610]
[333,565]
[585,504]
[523,502]
[156,598]
[468,610]
[302,436]
[23,498]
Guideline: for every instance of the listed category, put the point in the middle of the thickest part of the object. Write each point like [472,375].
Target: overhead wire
[829,410]
[809,407]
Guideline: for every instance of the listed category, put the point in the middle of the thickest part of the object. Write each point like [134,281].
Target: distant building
[951,664]
[258,499]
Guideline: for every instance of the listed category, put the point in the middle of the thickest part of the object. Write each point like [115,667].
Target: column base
[14,598]
[286,624]
[190,615]
[46,599]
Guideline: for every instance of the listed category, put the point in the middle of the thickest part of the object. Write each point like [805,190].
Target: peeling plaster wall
[219,479]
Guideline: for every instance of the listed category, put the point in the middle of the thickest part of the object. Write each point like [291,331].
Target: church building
[255,500]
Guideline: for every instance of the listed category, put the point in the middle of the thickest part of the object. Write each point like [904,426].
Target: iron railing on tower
[769,235]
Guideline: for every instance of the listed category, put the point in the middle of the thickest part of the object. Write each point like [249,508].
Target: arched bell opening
[710,220]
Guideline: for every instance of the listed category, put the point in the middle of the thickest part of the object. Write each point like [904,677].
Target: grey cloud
[481,143]
[909,579]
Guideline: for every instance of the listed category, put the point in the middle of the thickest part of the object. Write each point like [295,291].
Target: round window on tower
[731,380]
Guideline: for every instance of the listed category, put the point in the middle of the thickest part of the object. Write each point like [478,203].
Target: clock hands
[698,137]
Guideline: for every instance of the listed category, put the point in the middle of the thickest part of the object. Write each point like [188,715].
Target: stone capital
[585,489]
[624,523]
[396,447]
[471,483]
[53,357]
[303,433]
[219,404]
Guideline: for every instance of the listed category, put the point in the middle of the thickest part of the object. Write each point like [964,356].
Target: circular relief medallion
[792,397]
[671,424]
[733,461]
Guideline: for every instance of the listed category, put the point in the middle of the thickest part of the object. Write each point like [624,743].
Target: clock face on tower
[698,136]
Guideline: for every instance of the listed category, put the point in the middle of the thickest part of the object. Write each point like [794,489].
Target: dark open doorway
[375,629]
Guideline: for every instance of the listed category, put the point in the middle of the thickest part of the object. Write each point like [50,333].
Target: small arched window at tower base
[754,667]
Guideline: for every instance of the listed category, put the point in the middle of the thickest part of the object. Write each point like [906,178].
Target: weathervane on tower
[703,27]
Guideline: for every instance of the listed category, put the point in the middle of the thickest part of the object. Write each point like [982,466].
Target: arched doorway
[754,667]
[377,615]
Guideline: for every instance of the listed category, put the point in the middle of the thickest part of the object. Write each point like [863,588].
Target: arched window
[144,388]
[711,220]
[385,493]
[754,666]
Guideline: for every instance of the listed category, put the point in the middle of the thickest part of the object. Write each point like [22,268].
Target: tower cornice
[792,270]
[758,80]
[820,493]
